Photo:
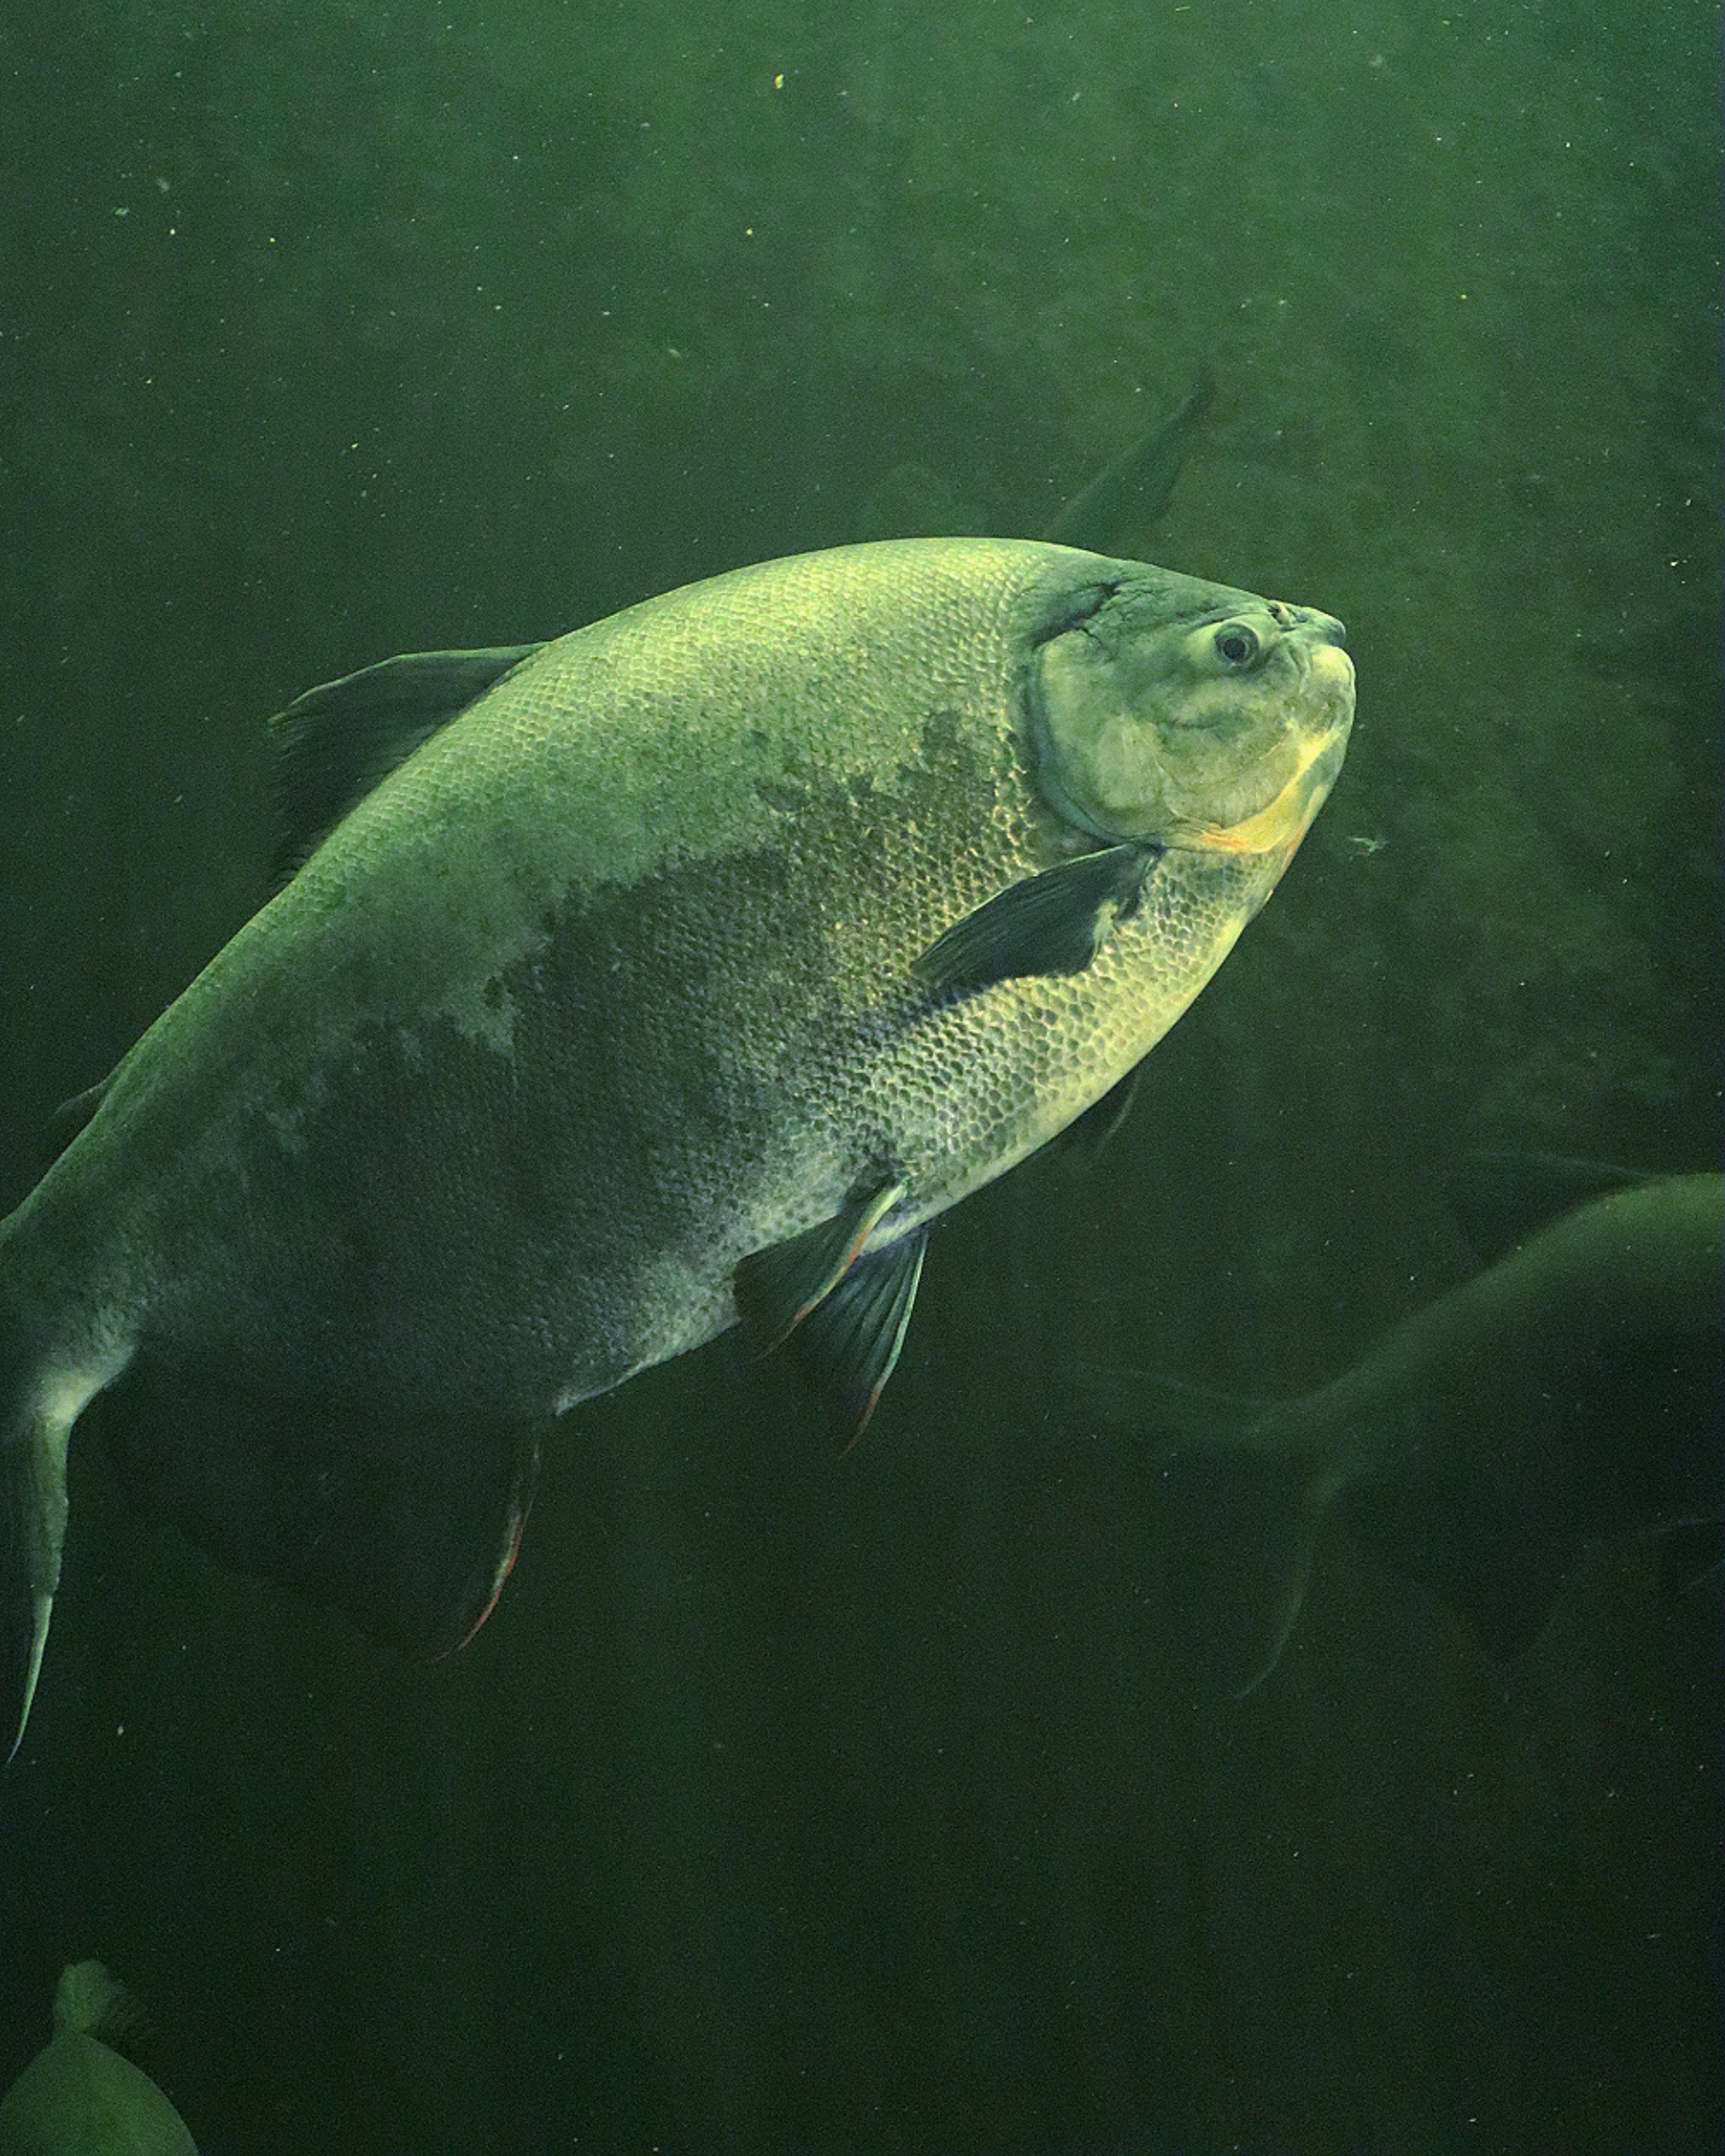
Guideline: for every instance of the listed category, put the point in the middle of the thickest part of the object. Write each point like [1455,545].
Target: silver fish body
[819,893]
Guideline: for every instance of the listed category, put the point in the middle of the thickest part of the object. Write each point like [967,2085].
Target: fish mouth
[1281,825]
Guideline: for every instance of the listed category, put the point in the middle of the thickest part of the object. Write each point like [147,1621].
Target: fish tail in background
[1244,1527]
[34,1424]
[90,2002]
[1239,1515]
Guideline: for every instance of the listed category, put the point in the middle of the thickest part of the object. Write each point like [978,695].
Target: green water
[793,1808]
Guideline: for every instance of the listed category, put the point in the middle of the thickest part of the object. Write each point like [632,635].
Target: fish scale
[636,970]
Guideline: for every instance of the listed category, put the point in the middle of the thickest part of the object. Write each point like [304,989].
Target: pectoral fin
[1052,923]
[1085,1135]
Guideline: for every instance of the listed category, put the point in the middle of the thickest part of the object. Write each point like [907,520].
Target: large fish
[680,969]
[1569,1392]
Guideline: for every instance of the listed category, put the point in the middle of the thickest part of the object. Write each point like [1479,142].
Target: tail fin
[39,1405]
[32,1528]
[1240,1516]
[89,2002]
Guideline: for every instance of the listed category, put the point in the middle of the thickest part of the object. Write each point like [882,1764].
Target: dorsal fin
[338,740]
[70,1118]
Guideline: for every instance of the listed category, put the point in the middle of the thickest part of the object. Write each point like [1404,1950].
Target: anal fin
[406,1524]
[33,1529]
[38,1405]
[1242,1529]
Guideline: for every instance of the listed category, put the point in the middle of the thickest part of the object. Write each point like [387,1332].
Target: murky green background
[790,1806]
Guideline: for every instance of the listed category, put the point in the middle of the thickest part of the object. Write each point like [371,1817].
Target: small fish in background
[80,2097]
[1569,1393]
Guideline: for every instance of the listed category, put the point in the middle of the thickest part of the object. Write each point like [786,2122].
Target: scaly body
[614,982]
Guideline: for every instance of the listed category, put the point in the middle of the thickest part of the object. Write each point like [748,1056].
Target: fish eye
[1236,645]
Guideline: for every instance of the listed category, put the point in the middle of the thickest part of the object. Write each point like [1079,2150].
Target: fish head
[1192,716]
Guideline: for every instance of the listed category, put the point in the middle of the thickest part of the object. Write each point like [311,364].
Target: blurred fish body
[1570,1392]
[79,2096]
[680,969]
[1129,494]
